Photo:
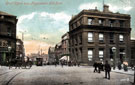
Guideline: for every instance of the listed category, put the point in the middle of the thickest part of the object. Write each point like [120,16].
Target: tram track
[9,81]
[5,73]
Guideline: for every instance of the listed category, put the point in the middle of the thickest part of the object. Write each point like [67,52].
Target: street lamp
[114,56]
[9,50]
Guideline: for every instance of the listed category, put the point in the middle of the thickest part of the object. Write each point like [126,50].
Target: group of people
[98,66]
[17,63]
[69,63]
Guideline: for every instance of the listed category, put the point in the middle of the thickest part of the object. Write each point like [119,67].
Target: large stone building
[133,52]
[93,34]
[7,37]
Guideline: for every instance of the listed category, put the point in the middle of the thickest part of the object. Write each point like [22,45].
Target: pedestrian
[95,65]
[99,67]
[107,70]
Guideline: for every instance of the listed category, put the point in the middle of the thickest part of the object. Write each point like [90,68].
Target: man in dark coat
[107,70]
[95,66]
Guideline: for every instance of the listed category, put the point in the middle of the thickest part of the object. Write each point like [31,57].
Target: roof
[99,13]
[4,13]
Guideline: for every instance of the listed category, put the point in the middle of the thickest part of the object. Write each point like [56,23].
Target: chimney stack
[106,8]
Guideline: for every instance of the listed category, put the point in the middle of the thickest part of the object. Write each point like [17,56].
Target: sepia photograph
[67,42]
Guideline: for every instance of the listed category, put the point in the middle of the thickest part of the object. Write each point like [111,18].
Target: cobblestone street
[51,75]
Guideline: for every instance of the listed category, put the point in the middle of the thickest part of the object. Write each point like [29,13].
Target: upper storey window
[121,23]
[89,21]
[111,35]
[111,23]
[100,21]
[121,38]
[90,37]
[101,37]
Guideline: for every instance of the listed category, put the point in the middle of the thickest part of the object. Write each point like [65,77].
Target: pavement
[129,72]
[51,75]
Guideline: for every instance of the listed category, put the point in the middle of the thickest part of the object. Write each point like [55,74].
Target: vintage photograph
[67,42]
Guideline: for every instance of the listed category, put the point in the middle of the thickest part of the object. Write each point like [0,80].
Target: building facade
[94,33]
[58,51]
[19,49]
[7,37]
[65,44]
[51,55]
[133,52]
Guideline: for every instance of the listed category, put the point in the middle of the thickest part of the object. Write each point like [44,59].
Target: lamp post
[114,56]
[9,50]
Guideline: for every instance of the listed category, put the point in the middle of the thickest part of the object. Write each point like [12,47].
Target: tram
[39,61]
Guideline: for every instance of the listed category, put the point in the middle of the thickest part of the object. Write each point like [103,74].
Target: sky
[43,22]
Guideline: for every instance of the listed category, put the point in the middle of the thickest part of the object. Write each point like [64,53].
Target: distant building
[7,37]
[65,44]
[19,49]
[58,51]
[51,55]
[94,33]
[33,57]
[133,52]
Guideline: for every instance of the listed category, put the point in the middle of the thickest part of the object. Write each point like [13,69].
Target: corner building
[7,37]
[94,33]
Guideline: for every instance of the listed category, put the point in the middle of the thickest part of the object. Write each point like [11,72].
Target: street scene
[51,75]
[64,42]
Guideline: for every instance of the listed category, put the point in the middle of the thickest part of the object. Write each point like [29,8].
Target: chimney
[106,8]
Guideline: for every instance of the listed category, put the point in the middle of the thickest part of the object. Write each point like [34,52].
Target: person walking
[107,70]
[95,66]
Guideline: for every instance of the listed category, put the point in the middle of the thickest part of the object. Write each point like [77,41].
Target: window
[9,31]
[122,53]
[101,37]
[90,37]
[89,21]
[74,25]
[80,39]
[101,54]
[111,38]
[90,54]
[100,22]
[121,23]
[111,23]
[121,38]
[111,53]
[76,41]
